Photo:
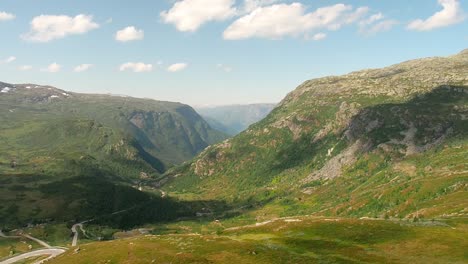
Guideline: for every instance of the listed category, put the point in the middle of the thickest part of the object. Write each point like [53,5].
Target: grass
[15,246]
[55,235]
[49,147]
[297,240]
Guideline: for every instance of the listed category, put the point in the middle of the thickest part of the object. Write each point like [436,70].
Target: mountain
[368,167]
[53,140]
[233,119]
[388,142]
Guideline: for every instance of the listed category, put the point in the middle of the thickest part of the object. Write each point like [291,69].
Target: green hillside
[388,142]
[291,240]
[49,136]
[368,167]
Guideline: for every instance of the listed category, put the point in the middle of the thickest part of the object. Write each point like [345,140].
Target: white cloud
[281,20]
[450,14]
[375,24]
[189,15]
[129,34]
[382,26]
[6,16]
[251,5]
[83,67]
[53,68]
[9,59]
[25,68]
[45,28]
[372,19]
[225,68]
[177,67]
[136,67]
[319,36]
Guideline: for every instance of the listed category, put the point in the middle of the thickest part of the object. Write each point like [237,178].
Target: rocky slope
[380,142]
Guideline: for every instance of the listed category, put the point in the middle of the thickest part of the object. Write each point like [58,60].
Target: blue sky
[214,52]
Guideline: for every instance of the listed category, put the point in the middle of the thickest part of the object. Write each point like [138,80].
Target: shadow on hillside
[434,117]
[93,193]
[122,206]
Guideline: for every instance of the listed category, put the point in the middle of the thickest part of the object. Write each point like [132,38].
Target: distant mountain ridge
[144,119]
[233,119]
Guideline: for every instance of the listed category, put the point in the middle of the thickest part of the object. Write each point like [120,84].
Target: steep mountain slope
[386,142]
[50,136]
[233,119]
[171,132]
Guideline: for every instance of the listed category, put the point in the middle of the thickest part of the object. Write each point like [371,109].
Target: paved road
[51,252]
[42,243]
[5,236]
[75,233]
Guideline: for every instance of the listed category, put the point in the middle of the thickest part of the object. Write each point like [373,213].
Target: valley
[368,167]
[233,119]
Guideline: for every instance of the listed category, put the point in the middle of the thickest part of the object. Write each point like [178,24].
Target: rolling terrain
[289,240]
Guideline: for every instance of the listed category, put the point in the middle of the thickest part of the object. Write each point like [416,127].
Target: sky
[217,52]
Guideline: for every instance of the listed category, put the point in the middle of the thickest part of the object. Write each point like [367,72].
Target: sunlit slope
[384,142]
[294,240]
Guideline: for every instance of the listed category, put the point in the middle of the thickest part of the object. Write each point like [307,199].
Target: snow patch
[5,90]
[54,96]
[28,87]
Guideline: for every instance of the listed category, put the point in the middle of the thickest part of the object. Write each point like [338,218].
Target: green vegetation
[67,156]
[387,143]
[15,246]
[293,240]
[368,167]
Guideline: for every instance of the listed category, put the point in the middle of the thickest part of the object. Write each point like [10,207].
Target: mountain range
[367,167]
[233,119]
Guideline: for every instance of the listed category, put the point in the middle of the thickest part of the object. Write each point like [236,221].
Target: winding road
[75,233]
[51,252]
[5,236]
[40,242]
